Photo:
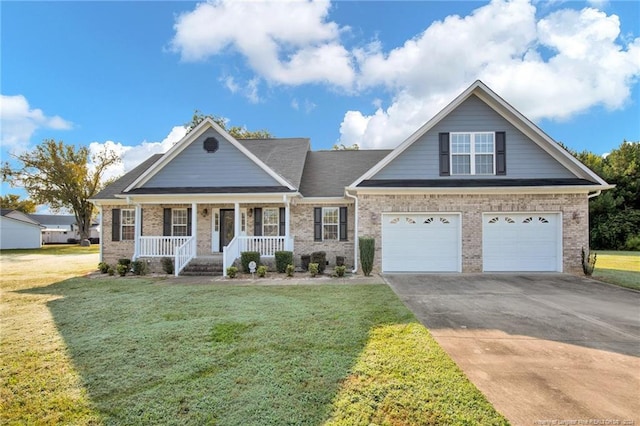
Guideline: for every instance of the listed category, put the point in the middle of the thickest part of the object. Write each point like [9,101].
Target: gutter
[595,194]
[355,233]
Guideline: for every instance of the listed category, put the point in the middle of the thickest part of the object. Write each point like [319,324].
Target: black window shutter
[444,154]
[343,224]
[501,153]
[115,224]
[282,222]
[141,222]
[257,221]
[317,223]
[189,223]
[166,223]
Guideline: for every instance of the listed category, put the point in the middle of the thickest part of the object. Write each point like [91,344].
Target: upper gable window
[473,153]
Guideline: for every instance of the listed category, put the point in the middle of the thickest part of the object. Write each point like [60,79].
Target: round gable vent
[210,145]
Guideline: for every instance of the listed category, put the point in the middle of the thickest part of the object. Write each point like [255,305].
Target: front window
[127,224]
[330,221]
[270,222]
[179,223]
[473,153]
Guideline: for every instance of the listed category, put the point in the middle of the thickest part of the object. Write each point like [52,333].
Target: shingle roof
[54,219]
[327,173]
[284,156]
[119,185]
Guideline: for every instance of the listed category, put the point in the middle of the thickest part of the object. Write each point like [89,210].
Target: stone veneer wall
[302,232]
[574,208]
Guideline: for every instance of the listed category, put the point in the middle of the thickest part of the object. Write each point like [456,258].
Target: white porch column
[236,220]
[287,223]
[194,223]
[137,231]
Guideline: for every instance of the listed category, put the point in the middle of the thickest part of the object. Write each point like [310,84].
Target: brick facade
[574,209]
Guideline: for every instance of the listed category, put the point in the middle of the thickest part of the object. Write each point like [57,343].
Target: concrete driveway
[544,348]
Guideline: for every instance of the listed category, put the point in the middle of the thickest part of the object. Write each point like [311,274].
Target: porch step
[203,267]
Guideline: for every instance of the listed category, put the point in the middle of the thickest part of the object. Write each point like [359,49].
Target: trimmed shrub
[340,270]
[313,269]
[283,258]
[121,269]
[588,262]
[262,271]
[633,243]
[111,271]
[103,267]
[367,252]
[305,260]
[319,257]
[125,262]
[232,272]
[246,257]
[167,265]
[140,267]
[290,270]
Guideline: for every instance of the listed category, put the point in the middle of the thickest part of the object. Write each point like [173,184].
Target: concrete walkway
[545,349]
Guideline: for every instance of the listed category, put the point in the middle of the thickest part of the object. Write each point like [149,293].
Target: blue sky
[128,75]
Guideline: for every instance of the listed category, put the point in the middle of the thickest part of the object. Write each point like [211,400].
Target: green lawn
[618,267]
[55,249]
[138,351]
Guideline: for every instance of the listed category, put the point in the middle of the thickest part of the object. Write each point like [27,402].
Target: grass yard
[138,351]
[618,267]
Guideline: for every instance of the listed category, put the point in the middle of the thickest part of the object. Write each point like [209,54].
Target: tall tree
[60,175]
[235,131]
[13,202]
[343,147]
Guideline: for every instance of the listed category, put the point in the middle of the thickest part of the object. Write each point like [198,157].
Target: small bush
[319,257]
[290,270]
[121,269]
[305,260]
[167,265]
[262,271]
[588,262]
[111,271]
[313,269]
[633,243]
[339,260]
[283,258]
[140,267]
[246,257]
[340,270]
[367,252]
[103,267]
[125,262]
[72,241]
[232,272]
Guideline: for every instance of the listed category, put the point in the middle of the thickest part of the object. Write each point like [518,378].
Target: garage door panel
[420,242]
[521,242]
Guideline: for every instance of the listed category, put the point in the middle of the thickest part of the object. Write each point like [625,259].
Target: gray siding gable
[227,167]
[524,158]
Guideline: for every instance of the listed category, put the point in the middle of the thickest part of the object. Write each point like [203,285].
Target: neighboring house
[61,228]
[18,230]
[477,188]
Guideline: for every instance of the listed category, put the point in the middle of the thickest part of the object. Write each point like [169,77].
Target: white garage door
[421,242]
[521,242]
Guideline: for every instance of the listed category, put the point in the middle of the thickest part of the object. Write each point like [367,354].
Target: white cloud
[19,122]
[287,42]
[132,156]
[500,43]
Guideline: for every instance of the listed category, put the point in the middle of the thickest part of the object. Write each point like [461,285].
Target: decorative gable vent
[210,145]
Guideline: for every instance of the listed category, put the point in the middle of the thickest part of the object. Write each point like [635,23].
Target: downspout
[355,233]
[100,234]
[595,194]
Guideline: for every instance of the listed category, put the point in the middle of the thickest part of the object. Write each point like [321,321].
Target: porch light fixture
[205,212]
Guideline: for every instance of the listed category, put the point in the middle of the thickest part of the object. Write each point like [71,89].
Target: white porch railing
[184,254]
[266,246]
[160,246]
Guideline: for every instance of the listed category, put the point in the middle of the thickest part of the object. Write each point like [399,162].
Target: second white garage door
[421,242]
[514,242]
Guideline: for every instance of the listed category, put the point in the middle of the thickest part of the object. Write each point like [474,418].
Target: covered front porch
[185,232]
